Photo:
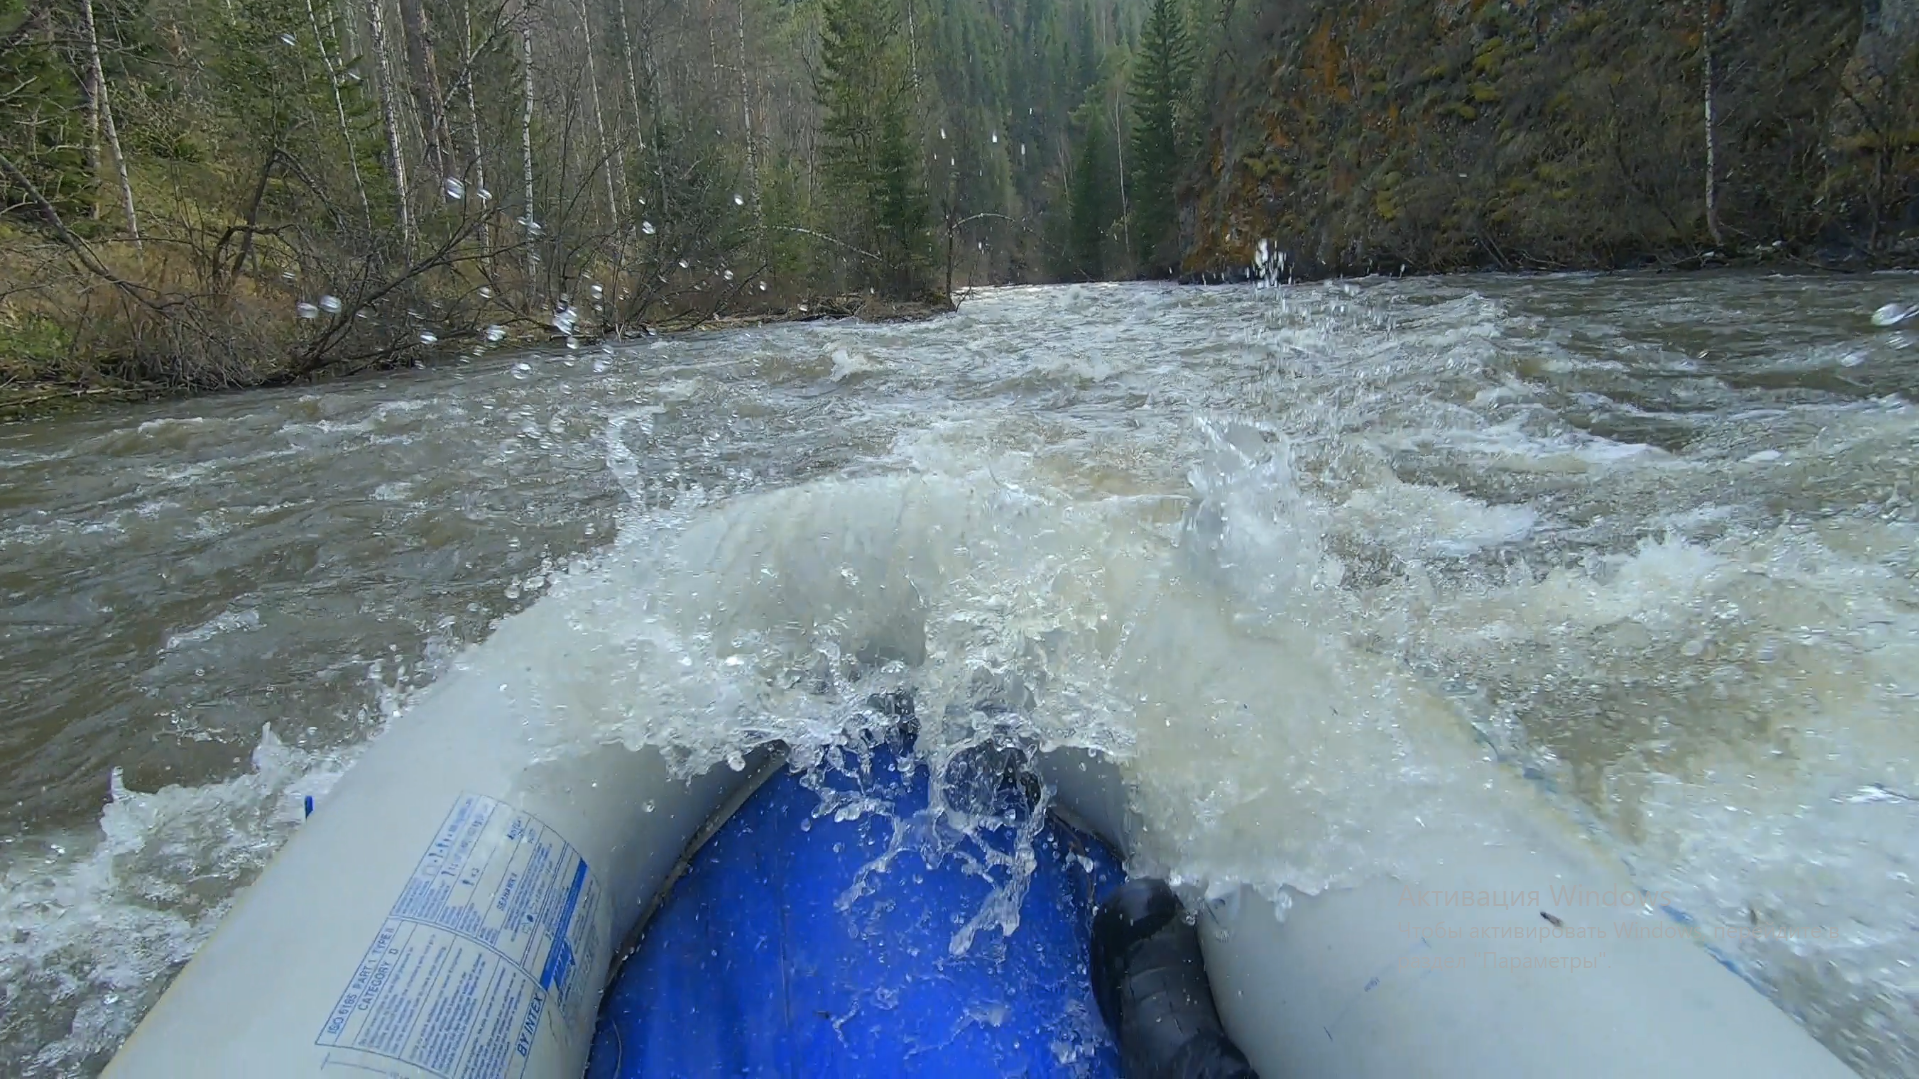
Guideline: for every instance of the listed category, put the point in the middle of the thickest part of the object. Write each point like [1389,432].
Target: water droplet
[598,292]
[738,201]
[565,319]
[728,275]
[996,138]
[682,264]
[330,304]
[307,310]
[522,371]
[485,195]
[289,275]
[494,332]
[762,286]
[942,133]
[428,337]
[288,39]
[647,227]
[485,293]
[454,188]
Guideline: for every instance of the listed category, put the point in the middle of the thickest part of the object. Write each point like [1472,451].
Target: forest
[205,194]
[217,193]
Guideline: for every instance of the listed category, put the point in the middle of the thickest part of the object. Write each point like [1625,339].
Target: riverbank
[80,387]
[1290,269]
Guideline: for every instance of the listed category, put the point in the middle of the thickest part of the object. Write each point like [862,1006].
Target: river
[1647,542]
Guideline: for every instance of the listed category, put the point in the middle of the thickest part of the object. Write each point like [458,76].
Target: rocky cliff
[1367,135]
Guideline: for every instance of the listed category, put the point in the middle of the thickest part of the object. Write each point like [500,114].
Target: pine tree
[1162,75]
[871,149]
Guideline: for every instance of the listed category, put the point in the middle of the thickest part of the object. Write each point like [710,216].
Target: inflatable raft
[453,911]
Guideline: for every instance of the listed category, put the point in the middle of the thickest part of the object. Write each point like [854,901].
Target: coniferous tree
[871,148]
[1092,196]
[1162,74]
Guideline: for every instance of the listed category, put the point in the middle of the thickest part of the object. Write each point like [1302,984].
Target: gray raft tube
[452,911]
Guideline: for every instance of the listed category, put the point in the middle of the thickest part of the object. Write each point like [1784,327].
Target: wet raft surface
[803,945]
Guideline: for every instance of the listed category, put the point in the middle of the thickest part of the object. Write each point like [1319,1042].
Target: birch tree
[390,119]
[103,109]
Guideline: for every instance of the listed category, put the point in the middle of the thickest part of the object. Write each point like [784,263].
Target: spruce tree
[871,149]
[1092,196]
[1162,74]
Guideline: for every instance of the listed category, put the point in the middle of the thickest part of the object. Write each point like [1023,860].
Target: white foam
[230,621]
[90,931]
[848,363]
[1412,519]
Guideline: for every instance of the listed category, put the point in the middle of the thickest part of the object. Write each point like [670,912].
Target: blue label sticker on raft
[482,944]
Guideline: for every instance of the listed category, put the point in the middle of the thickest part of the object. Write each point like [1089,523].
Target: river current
[1315,561]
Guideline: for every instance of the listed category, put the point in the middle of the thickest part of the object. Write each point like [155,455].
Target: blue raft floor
[752,968]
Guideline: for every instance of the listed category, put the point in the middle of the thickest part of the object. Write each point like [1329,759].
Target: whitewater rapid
[1330,567]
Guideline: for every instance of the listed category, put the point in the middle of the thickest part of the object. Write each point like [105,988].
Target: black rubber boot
[1150,982]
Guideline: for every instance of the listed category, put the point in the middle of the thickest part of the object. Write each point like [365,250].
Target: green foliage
[43,101]
[1092,196]
[1162,79]
[865,90]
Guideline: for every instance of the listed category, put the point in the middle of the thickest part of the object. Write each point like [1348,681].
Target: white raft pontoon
[452,911]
